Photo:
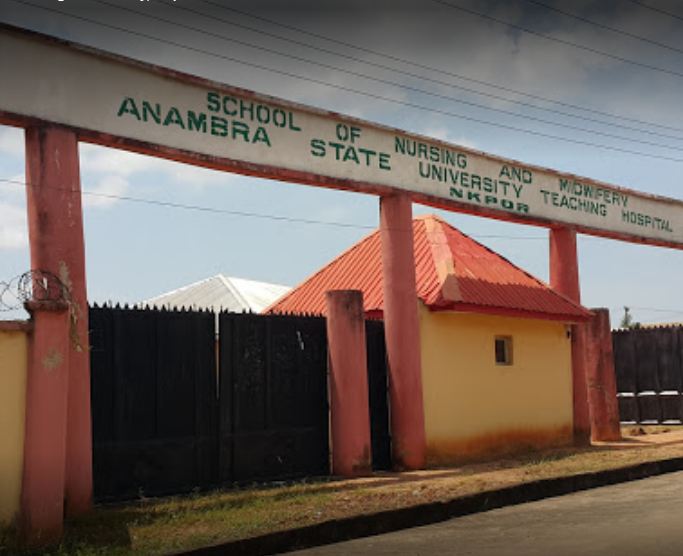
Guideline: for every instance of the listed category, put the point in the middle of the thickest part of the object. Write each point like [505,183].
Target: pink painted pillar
[42,495]
[564,278]
[349,403]
[55,225]
[601,377]
[402,332]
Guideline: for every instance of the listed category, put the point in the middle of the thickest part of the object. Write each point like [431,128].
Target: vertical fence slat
[378,393]
[226,406]
[624,360]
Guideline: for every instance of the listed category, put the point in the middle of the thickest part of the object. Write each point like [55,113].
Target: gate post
[42,489]
[349,401]
[402,332]
[564,278]
[55,226]
[601,377]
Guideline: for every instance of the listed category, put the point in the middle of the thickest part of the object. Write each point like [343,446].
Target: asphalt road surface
[643,518]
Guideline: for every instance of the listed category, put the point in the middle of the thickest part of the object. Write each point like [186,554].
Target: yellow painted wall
[475,408]
[13,364]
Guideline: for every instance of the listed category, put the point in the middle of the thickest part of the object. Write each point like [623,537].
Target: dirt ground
[394,490]
[158,526]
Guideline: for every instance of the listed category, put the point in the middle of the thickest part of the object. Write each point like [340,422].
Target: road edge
[388,521]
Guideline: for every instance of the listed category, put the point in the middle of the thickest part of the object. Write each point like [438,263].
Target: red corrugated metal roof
[453,272]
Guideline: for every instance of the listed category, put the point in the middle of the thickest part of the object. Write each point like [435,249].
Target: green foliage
[627,320]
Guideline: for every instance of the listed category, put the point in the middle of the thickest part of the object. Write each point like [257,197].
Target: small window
[503,348]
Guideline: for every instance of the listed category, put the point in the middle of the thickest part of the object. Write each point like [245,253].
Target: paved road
[641,518]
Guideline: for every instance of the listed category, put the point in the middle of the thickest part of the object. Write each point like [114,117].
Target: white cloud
[444,134]
[11,141]
[441,133]
[12,187]
[13,228]
[185,174]
[123,163]
[113,170]
[105,192]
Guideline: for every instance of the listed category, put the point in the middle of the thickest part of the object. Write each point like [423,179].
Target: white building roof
[221,293]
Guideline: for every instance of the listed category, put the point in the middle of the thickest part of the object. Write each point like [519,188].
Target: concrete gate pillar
[402,332]
[564,278]
[42,491]
[55,225]
[349,402]
[601,378]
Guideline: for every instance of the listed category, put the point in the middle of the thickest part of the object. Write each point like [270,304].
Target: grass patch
[159,526]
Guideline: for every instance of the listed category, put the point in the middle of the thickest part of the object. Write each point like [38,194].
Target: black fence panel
[647,375]
[649,409]
[378,393]
[625,361]
[671,404]
[273,410]
[668,362]
[154,402]
[628,407]
[169,418]
[649,369]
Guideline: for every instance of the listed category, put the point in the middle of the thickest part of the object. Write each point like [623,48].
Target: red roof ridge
[444,262]
[453,270]
[508,261]
[428,216]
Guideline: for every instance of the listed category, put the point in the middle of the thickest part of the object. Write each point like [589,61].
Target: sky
[613,68]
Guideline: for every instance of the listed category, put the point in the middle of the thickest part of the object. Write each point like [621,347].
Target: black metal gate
[649,368]
[168,419]
[377,388]
[274,412]
[154,405]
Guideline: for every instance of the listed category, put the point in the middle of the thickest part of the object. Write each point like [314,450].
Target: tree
[627,320]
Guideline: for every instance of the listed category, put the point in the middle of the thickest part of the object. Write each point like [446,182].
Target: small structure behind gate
[649,368]
[172,413]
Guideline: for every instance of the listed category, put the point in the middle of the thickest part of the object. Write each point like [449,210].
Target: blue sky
[136,250]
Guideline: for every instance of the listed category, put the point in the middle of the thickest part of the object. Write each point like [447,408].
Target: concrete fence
[13,365]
